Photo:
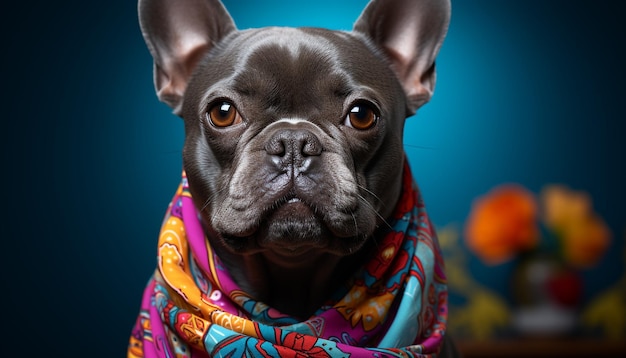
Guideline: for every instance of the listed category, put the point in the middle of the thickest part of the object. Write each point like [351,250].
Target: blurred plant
[509,221]
[484,313]
[548,238]
[607,310]
[553,235]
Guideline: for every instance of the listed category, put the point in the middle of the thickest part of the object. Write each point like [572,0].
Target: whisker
[210,199]
[370,193]
[384,220]
[356,225]
[367,203]
[414,146]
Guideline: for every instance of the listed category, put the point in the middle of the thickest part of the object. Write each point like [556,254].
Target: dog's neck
[298,287]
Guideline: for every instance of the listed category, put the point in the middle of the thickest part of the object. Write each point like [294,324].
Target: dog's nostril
[275,146]
[311,147]
[289,142]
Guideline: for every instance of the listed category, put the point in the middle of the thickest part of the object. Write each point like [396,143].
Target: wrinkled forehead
[283,57]
[291,42]
[286,57]
[294,69]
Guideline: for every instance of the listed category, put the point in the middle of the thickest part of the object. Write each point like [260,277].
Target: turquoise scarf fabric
[395,306]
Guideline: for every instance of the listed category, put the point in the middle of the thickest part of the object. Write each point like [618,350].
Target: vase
[546,294]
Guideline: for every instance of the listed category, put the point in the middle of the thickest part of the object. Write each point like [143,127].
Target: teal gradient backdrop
[528,91]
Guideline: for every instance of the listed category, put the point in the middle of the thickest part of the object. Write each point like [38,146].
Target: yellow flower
[584,235]
[562,206]
[585,241]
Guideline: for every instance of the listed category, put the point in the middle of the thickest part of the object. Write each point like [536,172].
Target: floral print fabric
[396,305]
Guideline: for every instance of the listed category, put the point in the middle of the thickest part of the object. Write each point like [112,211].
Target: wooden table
[533,347]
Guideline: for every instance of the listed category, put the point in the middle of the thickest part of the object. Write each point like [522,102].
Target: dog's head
[293,136]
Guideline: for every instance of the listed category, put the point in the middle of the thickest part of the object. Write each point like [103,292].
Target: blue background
[528,91]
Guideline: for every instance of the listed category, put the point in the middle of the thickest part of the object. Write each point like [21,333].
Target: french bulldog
[293,147]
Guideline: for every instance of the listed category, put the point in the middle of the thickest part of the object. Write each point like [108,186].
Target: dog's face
[286,141]
[294,136]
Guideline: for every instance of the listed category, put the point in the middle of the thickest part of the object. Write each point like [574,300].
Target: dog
[297,229]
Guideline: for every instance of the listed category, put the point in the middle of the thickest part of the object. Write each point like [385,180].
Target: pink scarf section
[395,306]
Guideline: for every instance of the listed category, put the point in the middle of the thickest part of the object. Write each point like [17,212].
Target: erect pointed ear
[178,33]
[410,32]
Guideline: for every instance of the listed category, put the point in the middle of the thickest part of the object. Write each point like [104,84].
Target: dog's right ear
[178,34]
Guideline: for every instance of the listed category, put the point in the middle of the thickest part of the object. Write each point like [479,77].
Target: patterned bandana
[396,306]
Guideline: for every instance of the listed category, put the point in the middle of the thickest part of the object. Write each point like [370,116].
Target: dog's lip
[291,251]
[290,206]
[285,204]
[292,203]
[289,198]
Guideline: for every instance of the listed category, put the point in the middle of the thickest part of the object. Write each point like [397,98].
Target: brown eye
[361,117]
[223,114]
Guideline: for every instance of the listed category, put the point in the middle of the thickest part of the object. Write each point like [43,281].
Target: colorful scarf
[396,307]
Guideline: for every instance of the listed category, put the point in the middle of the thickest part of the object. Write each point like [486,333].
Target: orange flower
[502,223]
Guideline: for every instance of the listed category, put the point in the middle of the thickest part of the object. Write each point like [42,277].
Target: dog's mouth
[292,226]
[289,224]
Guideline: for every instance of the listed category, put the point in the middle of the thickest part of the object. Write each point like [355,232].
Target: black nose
[293,149]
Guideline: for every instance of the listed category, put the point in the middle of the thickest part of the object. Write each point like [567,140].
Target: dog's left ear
[410,32]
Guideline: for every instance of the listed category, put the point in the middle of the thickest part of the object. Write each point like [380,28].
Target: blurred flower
[584,236]
[561,206]
[565,287]
[505,222]
[551,236]
[502,223]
